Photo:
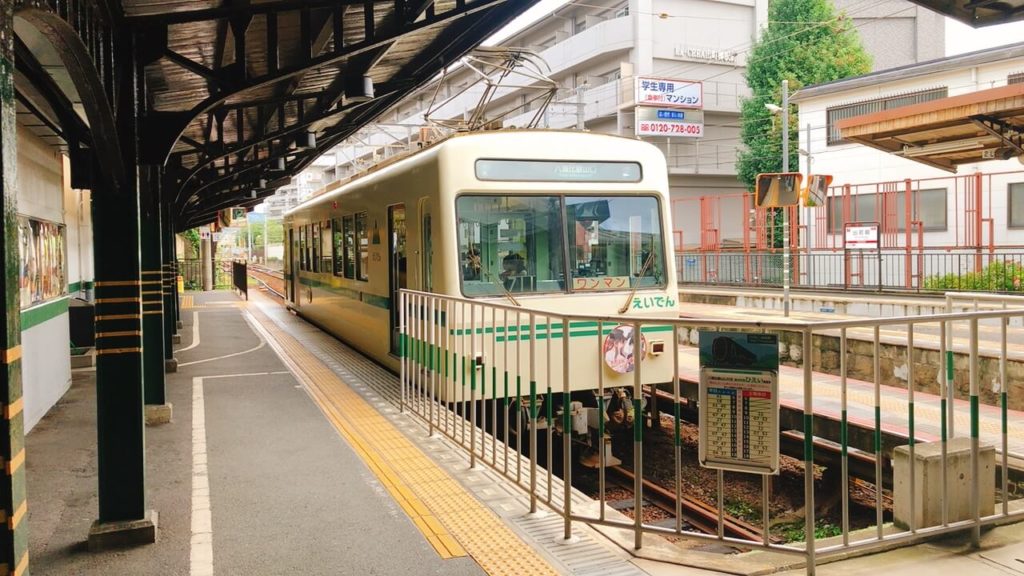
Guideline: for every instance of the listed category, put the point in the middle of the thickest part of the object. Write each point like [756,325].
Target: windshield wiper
[632,293]
[505,290]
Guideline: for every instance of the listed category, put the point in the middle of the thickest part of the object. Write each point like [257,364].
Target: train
[550,220]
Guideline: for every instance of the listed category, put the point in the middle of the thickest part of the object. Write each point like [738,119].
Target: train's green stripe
[542,328]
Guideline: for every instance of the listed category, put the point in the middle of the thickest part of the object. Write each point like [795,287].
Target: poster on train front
[739,402]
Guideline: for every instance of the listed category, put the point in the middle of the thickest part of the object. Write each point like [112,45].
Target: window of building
[363,242]
[1015,205]
[836,113]
[1015,78]
[622,11]
[929,208]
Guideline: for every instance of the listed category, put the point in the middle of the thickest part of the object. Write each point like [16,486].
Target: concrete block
[158,413]
[87,360]
[171,366]
[176,338]
[126,533]
[928,498]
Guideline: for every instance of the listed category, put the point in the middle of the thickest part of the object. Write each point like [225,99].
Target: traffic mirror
[776,190]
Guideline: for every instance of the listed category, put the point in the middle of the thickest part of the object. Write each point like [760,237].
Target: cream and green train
[551,221]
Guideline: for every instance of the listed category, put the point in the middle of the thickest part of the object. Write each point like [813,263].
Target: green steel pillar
[169,287]
[158,411]
[123,518]
[13,504]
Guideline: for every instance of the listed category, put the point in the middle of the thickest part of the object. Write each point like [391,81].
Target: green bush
[996,277]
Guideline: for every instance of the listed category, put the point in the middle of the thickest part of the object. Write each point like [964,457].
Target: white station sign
[663,92]
[861,236]
[669,122]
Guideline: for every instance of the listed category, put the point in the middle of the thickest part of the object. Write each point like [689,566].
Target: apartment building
[599,51]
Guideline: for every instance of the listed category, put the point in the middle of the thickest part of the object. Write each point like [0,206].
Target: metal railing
[191,271]
[494,377]
[898,269]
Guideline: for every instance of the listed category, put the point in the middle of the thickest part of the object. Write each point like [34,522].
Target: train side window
[325,247]
[348,230]
[302,248]
[338,249]
[363,247]
[315,248]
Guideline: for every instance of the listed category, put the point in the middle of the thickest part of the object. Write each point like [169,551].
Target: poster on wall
[42,259]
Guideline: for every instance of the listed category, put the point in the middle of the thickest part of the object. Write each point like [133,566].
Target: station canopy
[240,95]
[977,13]
[966,129]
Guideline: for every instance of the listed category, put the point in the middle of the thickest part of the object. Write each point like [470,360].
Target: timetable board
[739,402]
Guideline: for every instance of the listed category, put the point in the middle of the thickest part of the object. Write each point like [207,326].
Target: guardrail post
[808,453]
[566,440]
[975,483]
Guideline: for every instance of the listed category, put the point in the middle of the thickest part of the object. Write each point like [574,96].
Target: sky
[960,38]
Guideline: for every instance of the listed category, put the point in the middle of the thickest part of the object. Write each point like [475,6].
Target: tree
[805,43]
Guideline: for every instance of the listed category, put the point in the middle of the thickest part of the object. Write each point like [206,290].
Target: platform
[287,455]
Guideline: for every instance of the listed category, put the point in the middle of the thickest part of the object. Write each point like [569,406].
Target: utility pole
[580,107]
[785,209]
[807,211]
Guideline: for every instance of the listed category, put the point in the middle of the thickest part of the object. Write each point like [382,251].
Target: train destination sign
[670,93]
[739,402]
[557,171]
[672,123]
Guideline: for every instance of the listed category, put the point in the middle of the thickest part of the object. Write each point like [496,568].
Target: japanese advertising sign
[669,122]
[669,93]
[739,402]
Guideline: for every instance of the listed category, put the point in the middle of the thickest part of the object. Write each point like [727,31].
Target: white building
[945,205]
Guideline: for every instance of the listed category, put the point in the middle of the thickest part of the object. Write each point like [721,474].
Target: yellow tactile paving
[452,520]
[187,302]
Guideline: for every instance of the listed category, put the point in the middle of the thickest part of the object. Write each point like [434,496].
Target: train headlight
[657,347]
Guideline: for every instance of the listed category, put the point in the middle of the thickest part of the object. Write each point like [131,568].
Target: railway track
[270,280]
[694,513]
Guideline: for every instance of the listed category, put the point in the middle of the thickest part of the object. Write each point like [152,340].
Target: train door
[426,248]
[292,263]
[397,266]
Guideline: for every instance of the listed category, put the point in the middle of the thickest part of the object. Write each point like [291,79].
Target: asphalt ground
[287,494]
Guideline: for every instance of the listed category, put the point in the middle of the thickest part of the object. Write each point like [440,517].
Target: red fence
[971,218]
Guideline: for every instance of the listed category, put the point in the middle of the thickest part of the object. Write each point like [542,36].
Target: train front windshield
[559,244]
